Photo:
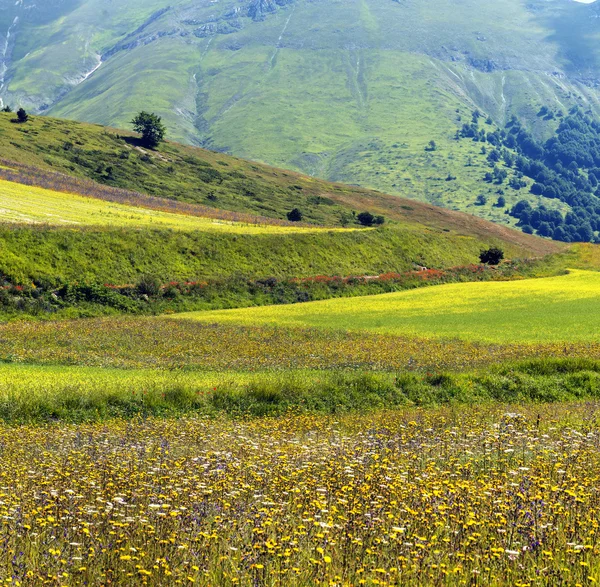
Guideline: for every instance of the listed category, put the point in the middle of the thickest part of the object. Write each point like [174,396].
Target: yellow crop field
[33,205]
[554,309]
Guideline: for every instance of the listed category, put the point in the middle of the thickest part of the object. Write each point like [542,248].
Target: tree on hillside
[7,108]
[295,215]
[492,256]
[150,126]
[22,116]
[366,218]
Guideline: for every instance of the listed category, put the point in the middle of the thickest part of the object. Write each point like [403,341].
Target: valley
[299,293]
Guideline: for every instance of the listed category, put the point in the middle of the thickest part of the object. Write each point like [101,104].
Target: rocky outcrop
[258,9]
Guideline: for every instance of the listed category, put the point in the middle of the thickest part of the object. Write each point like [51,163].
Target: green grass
[121,255]
[36,394]
[554,309]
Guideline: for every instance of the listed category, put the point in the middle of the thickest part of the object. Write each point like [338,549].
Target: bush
[366,218]
[492,256]
[295,215]
[148,285]
[22,116]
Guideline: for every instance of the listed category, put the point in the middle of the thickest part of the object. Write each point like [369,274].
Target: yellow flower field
[33,205]
[478,496]
[554,309]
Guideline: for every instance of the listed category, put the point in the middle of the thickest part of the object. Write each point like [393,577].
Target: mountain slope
[347,90]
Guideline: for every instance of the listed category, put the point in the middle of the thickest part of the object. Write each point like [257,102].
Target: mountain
[350,91]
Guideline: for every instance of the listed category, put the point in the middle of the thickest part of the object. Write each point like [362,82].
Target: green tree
[7,108]
[492,256]
[366,218]
[295,215]
[22,116]
[150,126]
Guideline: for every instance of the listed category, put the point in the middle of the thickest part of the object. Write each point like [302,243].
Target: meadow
[491,312]
[149,342]
[489,496]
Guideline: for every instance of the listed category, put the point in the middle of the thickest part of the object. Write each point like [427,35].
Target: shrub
[295,215]
[366,218]
[148,285]
[22,116]
[492,256]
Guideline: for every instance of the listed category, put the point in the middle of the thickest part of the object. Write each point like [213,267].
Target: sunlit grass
[552,309]
[33,205]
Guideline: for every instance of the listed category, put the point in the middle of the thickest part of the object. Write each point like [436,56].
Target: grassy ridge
[492,312]
[46,146]
[113,255]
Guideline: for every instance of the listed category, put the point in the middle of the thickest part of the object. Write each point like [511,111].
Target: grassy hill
[34,152]
[82,204]
[348,91]
[177,186]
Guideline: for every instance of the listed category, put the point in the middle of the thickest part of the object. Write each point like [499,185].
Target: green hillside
[350,91]
[101,162]
[69,216]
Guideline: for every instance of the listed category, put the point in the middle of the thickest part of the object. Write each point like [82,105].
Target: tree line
[566,167]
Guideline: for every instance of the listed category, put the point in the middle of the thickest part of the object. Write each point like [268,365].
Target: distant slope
[349,91]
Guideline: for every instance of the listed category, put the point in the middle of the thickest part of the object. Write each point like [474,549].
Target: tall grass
[34,394]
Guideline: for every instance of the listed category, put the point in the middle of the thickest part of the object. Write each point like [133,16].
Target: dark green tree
[7,108]
[491,256]
[295,215]
[22,116]
[150,126]
[366,218]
